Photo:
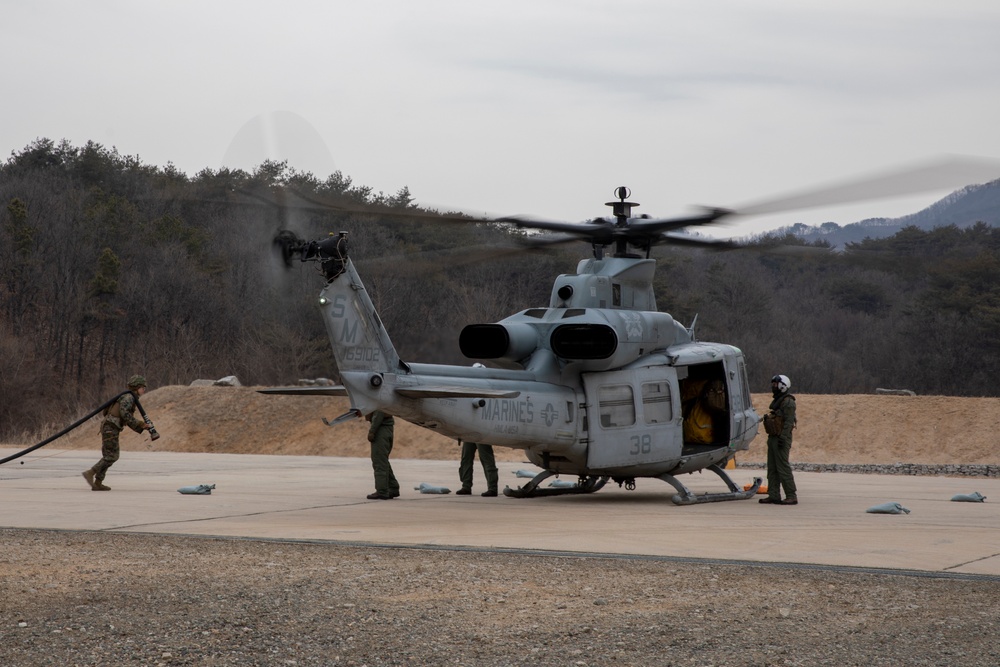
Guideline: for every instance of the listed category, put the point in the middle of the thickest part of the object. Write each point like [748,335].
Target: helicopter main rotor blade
[591,227]
[461,256]
[939,174]
[698,242]
[604,226]
[286,198]
[544,242]
[659,225]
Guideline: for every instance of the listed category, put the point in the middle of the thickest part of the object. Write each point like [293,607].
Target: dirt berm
[845,429]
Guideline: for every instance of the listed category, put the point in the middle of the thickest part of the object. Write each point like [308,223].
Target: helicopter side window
[617,406]
[656,406]
[745,384]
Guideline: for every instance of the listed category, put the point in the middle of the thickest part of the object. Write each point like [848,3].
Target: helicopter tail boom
[360,341]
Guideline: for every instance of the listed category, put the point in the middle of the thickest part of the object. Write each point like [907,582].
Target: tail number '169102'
[362,353]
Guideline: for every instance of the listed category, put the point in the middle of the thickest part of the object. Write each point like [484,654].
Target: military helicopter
[594,385]
[598,384]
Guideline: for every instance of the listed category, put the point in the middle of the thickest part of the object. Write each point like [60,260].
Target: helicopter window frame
[657,404]
[616,406]
[745,386]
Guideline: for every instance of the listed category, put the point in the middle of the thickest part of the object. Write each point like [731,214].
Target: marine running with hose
[135,383]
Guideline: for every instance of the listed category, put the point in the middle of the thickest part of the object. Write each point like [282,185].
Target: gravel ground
[71,598]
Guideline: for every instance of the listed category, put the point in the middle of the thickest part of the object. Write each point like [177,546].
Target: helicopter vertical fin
[360,341]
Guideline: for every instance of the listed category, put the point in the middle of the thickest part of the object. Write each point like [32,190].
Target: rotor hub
[622,209]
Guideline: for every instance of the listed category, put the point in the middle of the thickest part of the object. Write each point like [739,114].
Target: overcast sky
[537,107]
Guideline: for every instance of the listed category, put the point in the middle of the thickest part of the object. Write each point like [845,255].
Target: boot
[89,476]
[464,491]
[489,493]
[99,485]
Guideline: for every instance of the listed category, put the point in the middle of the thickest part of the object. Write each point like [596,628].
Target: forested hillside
[109,267]
[963,208]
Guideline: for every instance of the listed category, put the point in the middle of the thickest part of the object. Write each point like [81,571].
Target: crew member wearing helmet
[779,423]
[116,417]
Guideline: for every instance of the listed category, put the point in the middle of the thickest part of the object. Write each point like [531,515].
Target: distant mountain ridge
[962,208]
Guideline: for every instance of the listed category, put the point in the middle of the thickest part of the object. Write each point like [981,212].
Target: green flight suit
[486,458]
[779,470]
[380,435]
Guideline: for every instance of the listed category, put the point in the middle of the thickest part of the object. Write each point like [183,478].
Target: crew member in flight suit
[489,462]
[380,435]
[779,470]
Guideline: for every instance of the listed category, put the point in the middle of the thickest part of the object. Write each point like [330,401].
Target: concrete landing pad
[323,498]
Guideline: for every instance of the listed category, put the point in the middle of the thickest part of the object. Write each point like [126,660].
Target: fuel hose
[78,422]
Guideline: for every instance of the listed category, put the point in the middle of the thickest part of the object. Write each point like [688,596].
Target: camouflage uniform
[116,418]
[380,435]
[489,462]
[779,470]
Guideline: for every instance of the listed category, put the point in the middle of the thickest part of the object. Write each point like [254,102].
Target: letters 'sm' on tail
[360,342]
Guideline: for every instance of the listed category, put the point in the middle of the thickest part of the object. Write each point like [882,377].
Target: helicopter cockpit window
[535,312]
[656,407]
[617,406]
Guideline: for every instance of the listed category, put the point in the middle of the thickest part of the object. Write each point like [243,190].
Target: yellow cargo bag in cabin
[698,426]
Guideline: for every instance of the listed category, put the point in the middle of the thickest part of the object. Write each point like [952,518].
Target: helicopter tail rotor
[330,252]
[288,245]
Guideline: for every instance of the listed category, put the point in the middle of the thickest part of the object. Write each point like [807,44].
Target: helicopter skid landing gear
[685,497]
[587,484]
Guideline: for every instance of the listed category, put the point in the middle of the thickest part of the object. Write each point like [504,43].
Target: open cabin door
[744,424]
[634,417]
